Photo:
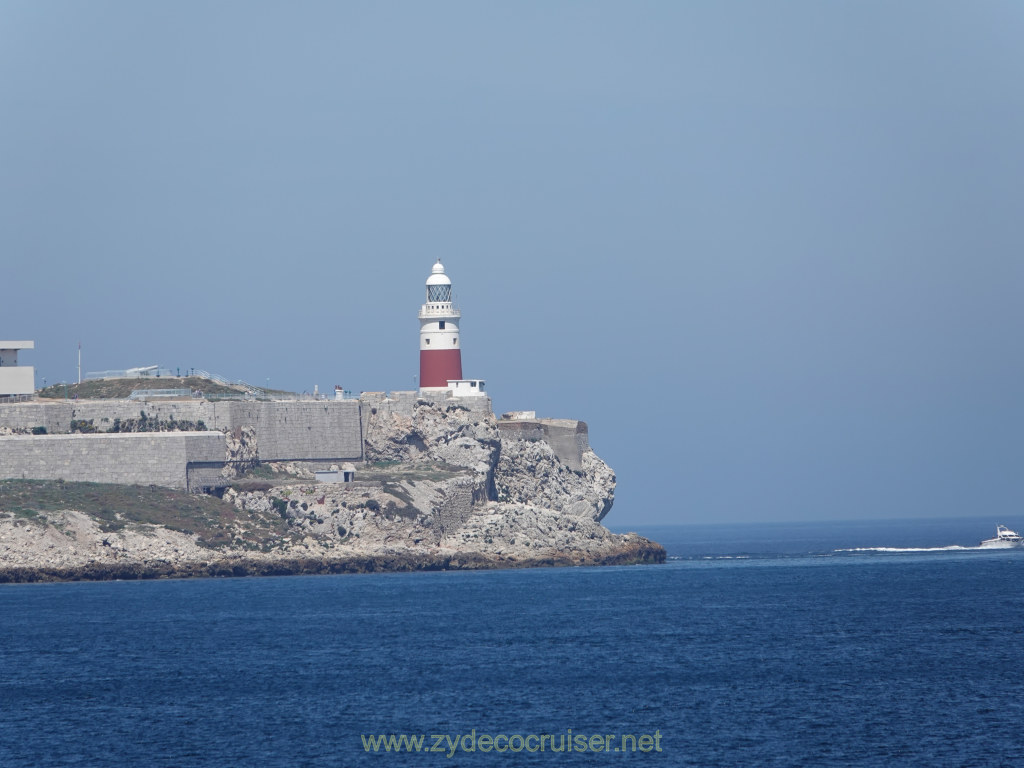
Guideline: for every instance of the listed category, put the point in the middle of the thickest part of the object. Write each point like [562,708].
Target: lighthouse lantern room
[440,350]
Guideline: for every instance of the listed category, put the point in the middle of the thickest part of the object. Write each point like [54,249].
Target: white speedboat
[1004,538]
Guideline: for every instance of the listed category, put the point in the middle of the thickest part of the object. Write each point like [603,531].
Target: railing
[156,372]
[428,311]
[148,394]
[255,392]
[16,398]
[132,373]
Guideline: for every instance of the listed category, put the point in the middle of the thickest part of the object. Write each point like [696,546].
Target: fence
[16,398]
[132,373]
[149,394]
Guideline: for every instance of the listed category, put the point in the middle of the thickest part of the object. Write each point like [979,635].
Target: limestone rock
[443,433]
[529,472]
[242,451]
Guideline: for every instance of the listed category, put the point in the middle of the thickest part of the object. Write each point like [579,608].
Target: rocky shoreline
[442,488]
[73,546]
[635,553]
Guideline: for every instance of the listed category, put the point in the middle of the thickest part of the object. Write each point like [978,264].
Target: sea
[874,643]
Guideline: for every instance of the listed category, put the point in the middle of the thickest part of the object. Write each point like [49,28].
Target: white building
[346,474]
[15,379]
[467,387]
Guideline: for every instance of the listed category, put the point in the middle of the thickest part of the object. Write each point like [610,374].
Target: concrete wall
[54,417]
[285,431]
[17,381]
[296,431]
[148,458]
[568,438]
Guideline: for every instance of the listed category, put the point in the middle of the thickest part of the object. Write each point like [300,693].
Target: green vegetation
[118,506]
[119,389]
[262,478]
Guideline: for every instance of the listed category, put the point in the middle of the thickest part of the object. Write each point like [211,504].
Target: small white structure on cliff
[15,379]
[467,387]
[345,474]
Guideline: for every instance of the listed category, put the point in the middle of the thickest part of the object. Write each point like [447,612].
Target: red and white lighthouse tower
[440,350]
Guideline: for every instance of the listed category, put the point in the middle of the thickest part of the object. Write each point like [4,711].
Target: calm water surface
[754,646]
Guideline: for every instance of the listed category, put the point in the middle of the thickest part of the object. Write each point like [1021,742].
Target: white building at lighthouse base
[467,387]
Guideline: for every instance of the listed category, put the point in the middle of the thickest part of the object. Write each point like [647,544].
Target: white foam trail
[906,549]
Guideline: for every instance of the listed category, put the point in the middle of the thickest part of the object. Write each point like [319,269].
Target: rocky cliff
[443,486]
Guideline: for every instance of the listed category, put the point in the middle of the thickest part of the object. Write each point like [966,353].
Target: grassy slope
[117,506]
[110,389]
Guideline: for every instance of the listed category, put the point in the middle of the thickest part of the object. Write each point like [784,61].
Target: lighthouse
[440,348]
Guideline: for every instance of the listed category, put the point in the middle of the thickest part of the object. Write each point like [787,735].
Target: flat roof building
[14,379]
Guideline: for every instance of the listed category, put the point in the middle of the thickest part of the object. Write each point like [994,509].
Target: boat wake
[952,548]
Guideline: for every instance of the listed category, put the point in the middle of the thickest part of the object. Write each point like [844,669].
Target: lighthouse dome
[437,275]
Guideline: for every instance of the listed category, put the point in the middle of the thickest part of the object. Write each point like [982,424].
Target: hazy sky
[772,252]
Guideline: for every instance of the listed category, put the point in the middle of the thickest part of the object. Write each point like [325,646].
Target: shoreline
[638,552]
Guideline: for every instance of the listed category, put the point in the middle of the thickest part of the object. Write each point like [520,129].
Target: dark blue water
[791,655]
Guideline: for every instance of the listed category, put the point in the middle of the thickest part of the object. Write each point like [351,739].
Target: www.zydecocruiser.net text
[449,744]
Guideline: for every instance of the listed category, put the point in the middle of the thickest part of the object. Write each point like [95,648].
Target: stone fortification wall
[301,431]
[55,418]
[567,437]
[285,430]
[379,405]
[315,433]
[460,497]
[102,413]
[150,458]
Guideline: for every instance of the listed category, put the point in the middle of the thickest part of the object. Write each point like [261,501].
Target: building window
[455,340]
[428,342]
[441,325]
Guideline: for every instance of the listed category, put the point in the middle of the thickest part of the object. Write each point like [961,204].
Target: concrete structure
[182,460]
[323,431]
[318,434]
[568,438]
[519,415]
[346,474]
[14,379]
[467,387]
[440,350]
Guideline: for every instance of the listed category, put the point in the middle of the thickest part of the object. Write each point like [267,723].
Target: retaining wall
[285,431]
[146,458]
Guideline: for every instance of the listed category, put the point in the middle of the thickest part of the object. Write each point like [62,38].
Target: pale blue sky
[770,251]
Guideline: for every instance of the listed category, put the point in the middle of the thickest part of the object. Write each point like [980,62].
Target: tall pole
[79,362]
